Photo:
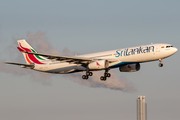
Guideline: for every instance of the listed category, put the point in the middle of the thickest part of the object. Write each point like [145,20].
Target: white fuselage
[139,54]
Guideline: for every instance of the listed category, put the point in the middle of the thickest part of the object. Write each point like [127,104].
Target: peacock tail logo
[97,64]
[30,58]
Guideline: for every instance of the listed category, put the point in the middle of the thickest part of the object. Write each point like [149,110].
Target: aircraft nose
[175,50]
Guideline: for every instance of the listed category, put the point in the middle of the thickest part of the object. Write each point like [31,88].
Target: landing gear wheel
[85,77]
[160,65]
[107,74]
[89,73]
[103,78]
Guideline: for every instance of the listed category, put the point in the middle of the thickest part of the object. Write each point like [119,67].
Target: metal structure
[141,108]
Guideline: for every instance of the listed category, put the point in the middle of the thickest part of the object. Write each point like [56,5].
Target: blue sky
[85,26]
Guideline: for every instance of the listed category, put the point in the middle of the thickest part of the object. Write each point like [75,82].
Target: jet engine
[97,65]
[130,68]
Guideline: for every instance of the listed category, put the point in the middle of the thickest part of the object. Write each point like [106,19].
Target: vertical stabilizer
[30,58]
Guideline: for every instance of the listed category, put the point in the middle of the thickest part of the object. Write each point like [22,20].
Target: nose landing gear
[160,64]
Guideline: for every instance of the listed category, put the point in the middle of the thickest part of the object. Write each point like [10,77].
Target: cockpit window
[169,46]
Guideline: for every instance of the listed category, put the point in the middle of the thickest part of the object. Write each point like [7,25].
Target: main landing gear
[106,74]
[87,75]
[103,78]
[160,64]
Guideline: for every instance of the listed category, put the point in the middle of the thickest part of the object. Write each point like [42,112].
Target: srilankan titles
[140,50]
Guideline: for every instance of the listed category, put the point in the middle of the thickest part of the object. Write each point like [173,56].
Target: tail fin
[30,58]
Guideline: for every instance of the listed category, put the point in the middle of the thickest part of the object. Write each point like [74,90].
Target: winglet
[20,49]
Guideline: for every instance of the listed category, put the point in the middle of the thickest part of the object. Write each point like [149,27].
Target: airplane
[126,59]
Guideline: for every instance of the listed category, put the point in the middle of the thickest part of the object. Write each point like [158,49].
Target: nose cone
[175,50]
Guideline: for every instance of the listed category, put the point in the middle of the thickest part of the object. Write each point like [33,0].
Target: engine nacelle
[130,68]
[97,65]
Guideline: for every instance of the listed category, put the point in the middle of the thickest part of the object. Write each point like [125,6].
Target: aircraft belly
[62,70]
[139,57]
[59,68]
[162,54]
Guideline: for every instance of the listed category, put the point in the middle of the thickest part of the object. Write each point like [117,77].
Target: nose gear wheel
[160,64]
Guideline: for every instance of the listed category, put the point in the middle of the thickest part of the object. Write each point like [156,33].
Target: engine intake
[97,65]
[130,68]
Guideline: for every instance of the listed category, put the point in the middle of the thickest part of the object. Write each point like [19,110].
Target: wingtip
[7,62]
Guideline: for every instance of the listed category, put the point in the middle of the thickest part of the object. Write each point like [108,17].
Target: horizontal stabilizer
[31,66]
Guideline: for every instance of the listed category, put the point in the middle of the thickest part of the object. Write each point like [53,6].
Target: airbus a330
[126,59]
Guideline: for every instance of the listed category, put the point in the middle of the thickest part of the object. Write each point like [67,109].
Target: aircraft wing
[22,65]
[73,60]
[76,60]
